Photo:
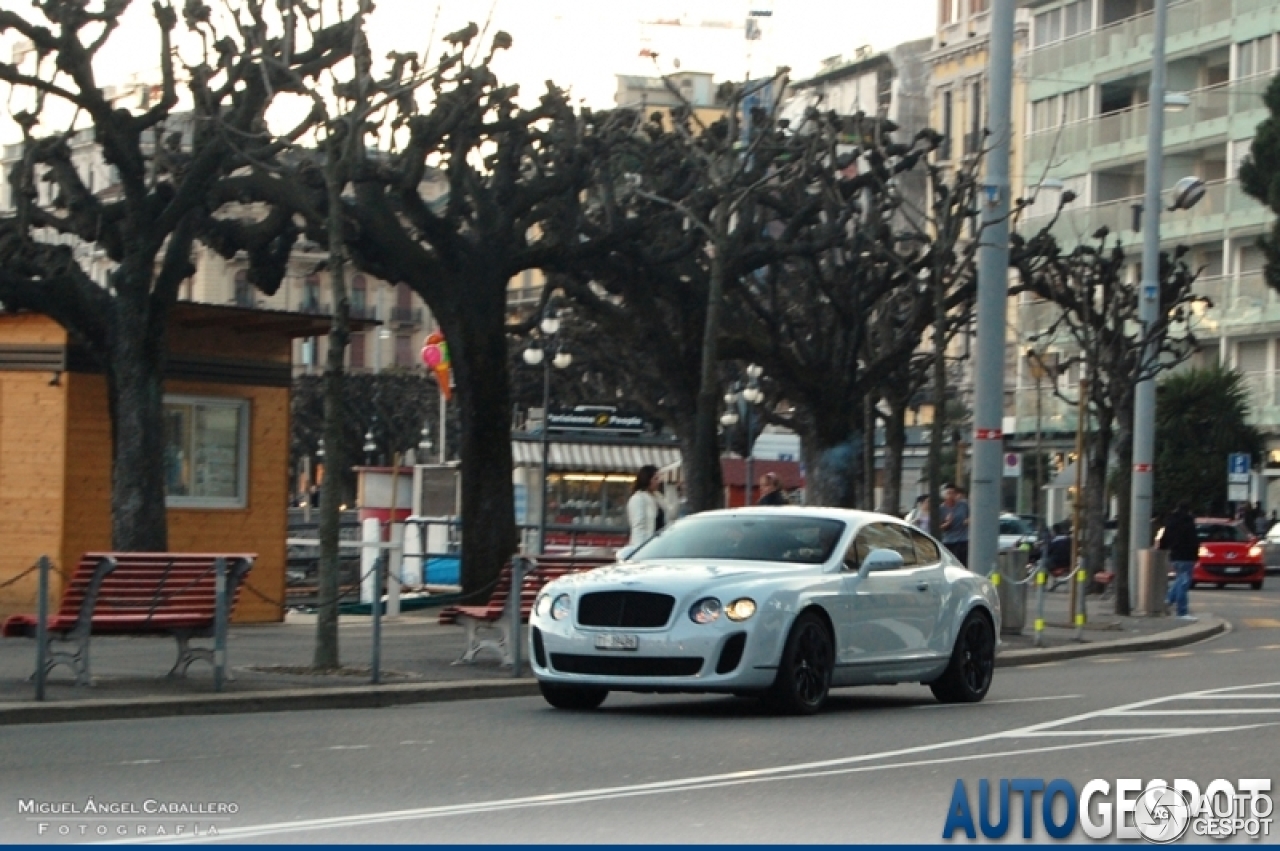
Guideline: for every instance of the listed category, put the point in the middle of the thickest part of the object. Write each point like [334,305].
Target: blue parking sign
[1238,463]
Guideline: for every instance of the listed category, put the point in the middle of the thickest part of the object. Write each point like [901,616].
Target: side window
[926,549]
[881,536]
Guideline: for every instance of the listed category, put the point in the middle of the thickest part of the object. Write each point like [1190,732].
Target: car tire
[973,660]
[574,698]
[804,672]
[1256,586]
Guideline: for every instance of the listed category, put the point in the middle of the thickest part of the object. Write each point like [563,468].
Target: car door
[880,620]
[929,572]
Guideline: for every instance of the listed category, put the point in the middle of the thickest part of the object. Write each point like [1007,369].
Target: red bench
[137,594]
[494,614]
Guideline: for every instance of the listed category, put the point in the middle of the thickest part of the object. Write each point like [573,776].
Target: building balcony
[1239,304]
[1224,207]
[1216,113]
[1127,43]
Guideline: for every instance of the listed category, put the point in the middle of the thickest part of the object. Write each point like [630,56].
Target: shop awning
[593,457]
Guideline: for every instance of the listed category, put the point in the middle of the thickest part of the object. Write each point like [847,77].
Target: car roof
[1221,521]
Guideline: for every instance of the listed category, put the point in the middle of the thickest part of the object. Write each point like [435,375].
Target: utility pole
[993,294]
[1144,393]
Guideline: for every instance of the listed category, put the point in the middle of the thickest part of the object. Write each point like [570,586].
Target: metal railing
[1208,105]
[1134,34]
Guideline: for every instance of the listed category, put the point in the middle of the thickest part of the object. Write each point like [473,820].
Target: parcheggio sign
[1156,810]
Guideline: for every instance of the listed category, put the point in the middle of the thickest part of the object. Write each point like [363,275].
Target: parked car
[1271,549]
[1014,532]
[1229,554]
[777,603]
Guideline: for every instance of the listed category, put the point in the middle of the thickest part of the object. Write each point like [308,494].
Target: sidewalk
[268,663]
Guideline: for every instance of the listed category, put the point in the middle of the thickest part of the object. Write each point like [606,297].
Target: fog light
[741,609]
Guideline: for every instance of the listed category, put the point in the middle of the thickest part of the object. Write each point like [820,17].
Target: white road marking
[348,747]
[1217,710]
[1231,697]
[1228,650]
[840,765]
[1005,700]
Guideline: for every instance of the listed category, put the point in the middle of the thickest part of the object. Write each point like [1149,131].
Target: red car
[1228,554]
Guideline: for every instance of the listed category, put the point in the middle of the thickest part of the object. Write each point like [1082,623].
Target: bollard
[42,629]
[513,600]
[1081,576]
[375,664]
[371,538]
[219,622]
[1042,577]
[395,567]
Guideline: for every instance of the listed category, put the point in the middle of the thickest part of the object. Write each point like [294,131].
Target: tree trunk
[326,655]
[1124,493]
[1095,505]
[830,468]
[135,385]
[705,489]
[478,349]
[895,444]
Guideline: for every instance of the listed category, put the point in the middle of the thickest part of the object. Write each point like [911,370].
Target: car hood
[676,575]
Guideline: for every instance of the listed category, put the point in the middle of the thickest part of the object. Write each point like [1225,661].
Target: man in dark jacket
[1182,542]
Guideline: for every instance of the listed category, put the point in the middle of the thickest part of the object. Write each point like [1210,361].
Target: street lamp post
[370,447]
[751,395]
[533,356]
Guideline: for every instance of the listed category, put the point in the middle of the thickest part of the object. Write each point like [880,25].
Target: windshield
[1217,533]
[1014,526]
[750,536]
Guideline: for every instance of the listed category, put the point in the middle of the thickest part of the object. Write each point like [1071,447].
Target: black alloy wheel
[804,674]
[973,660]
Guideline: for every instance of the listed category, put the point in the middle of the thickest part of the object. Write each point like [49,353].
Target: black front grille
[731,655]
[627,666]
[625,609]
[1231,569]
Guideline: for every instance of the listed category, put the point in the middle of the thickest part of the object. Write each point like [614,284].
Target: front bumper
[685,657]
[1227,572]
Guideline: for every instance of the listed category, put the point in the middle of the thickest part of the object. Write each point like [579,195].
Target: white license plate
[617,641]
[1234,569]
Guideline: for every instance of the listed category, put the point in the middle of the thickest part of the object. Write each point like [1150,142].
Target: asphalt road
[879,766]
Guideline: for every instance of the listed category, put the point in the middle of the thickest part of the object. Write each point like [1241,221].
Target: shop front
[592,456]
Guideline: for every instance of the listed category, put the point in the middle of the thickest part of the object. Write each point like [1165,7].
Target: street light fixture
[533,356]
[424,443]
[370,447]
[750,395]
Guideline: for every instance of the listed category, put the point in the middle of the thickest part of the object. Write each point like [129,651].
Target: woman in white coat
[645,509]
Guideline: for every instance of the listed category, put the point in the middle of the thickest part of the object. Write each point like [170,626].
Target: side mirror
[880,560]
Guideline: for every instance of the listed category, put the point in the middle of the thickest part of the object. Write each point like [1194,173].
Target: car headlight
[706,610]
[1204,552]
[560,607]
[740,609]
[1255,551]
[542,604]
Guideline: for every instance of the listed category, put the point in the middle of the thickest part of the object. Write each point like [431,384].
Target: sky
[582,44]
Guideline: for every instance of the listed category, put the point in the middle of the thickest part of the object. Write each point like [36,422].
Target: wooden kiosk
[227,446]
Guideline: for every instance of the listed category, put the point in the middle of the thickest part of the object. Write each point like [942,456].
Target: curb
[1160,641]
[403,694]
[365,697]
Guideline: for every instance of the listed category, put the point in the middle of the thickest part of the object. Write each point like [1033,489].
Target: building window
[977,7]
[206,453]
[947,116]
[1254,57]
[948,11]
[973,139]
[244,290]
[404,350]
[311,294]
[355,349]
[359,295]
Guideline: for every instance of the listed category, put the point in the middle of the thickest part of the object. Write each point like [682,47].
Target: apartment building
[1087,73]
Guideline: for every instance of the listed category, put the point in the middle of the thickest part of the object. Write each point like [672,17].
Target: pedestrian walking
[771,490]
[646,512]
[918,516]
[954,516]
[1180,539]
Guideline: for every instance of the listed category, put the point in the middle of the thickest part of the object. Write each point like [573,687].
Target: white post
[371,537]
[395,575]
[412,568]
